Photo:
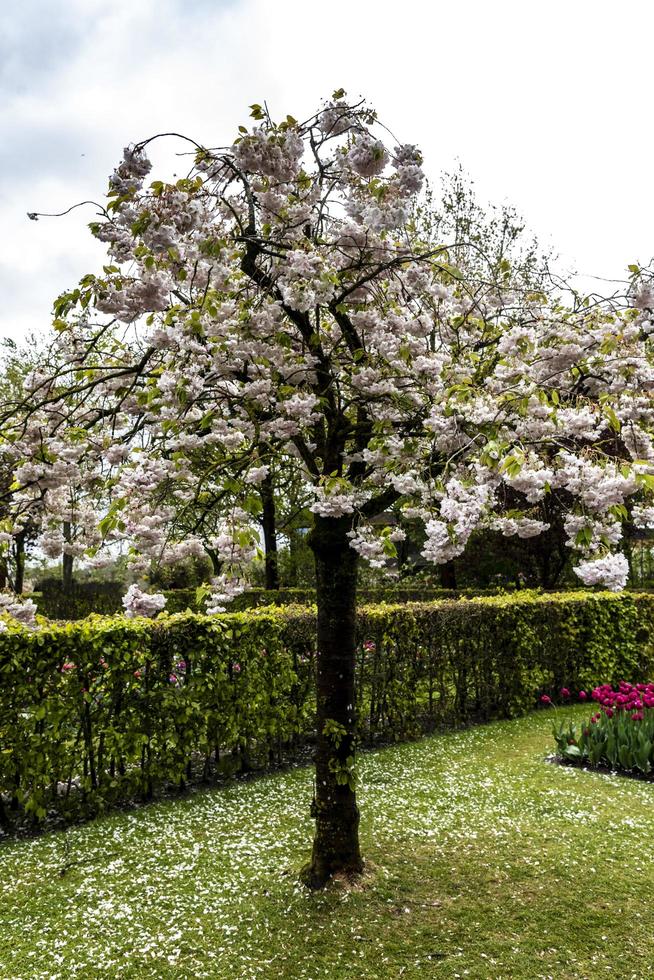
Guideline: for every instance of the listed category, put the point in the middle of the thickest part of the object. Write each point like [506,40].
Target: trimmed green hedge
[102,710]
[106,602]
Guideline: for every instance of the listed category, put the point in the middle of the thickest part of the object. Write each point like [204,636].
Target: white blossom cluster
[643,516]
[588,532]
[610,571]
[523,527]
[369,546]
[462,507]
[305,282]
[224,589]
[134,298]
[273,155]
[129,175]
[139,603]
[285,317]
[22,610]
[368,156]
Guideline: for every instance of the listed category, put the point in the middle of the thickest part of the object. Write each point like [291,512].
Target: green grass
[486,862]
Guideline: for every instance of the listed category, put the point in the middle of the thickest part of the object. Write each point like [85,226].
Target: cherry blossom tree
[281,305]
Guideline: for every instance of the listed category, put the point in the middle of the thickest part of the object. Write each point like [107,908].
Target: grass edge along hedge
[102,710]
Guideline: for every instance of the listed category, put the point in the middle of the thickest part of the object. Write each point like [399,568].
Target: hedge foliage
[101,710]
[80,604]
[105,600]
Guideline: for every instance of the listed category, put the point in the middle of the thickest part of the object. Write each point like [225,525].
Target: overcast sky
[547,105]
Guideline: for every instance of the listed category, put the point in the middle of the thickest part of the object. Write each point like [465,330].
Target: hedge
[107,709]
[86,600]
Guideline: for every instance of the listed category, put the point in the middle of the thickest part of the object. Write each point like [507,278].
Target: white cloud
[545,105]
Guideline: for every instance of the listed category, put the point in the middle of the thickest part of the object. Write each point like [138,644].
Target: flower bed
[619,735]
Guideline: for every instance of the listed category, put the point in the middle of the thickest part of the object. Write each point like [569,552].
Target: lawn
[484,861]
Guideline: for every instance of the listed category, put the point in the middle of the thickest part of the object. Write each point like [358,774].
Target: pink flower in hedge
[545,699]
[173,678]
[69,665]
[137,673]
[236,668]
[565,693]
[582,696]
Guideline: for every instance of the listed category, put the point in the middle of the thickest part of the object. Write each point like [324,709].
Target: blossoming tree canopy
[279,305]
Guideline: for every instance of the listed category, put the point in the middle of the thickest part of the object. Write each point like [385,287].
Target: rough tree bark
[19,552]
[67,563]
[336,843]
[268,519]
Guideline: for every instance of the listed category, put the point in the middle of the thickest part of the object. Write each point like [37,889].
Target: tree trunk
[448,575]
[293,558]
[67,563]
[216,562]
[19,552]
[336,843]
[270,533]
